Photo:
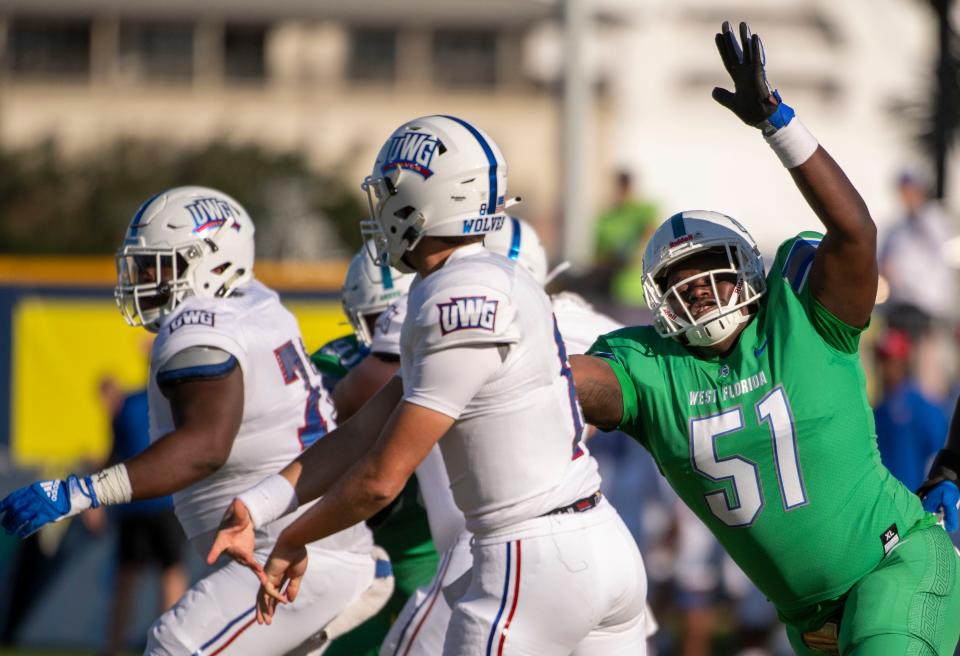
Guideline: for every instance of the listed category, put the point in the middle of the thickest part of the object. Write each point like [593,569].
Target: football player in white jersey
[483,367]
[419,629]
[232,398]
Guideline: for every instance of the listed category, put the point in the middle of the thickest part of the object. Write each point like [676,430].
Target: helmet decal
[514,251]
[412,150]
[494,203]
[676,223]
[210,213]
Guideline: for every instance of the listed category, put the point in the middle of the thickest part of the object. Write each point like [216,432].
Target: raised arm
[844,273]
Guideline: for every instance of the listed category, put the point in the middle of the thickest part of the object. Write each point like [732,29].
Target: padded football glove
[26,510]
[753,100]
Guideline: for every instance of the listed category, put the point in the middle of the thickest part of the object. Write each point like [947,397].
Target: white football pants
[564,584]
[217,615]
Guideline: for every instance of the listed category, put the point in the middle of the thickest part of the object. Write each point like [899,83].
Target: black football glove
[753,101]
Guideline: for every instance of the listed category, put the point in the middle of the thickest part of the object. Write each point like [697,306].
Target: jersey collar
[465,251]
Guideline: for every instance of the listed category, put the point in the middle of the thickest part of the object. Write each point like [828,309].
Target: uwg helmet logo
[468,312]
[210,213]
[412,151]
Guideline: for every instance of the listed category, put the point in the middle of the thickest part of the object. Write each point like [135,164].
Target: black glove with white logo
[753,100]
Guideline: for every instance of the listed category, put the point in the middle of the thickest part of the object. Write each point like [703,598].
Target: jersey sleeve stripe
[219,370]
[798,262]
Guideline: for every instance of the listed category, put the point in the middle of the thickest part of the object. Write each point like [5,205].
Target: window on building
[244,58]
[465,58]
[157,50]
[372,55]
[49,47]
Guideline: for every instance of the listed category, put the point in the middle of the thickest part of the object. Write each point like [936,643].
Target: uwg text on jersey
[468,312]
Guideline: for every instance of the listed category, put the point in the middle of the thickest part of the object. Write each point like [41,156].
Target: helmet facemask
[405,232]
[151,282]
[673,316]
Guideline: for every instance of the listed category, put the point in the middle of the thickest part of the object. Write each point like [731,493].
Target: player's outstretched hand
[235,537]
[752,100]
[28,509]
[281,579]
[942,497]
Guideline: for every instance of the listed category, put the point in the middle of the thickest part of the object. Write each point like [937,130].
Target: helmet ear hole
[404,212]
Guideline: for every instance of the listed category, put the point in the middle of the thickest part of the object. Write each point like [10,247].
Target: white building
[335,77]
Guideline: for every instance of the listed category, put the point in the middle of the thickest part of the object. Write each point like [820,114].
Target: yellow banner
[65,349]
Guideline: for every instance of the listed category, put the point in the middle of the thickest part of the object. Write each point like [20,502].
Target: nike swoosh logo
[757,352]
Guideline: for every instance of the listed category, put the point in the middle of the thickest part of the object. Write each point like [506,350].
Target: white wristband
[793,143]
[112,485]
[270,499]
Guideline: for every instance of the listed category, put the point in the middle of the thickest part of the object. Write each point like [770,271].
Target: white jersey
[580,324]
[386,333]
[513,453]
[285,407]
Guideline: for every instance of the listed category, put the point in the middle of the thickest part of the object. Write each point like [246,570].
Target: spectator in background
[910,428]
[619,237]
[148,532]
[914,263]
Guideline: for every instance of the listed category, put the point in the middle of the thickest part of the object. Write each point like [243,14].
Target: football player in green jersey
[748,391]
[354,368]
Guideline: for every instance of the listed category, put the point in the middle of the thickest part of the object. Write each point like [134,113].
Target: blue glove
[26,510]
[944,497]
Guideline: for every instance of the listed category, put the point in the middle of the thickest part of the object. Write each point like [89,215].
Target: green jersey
[772,445]
[402,527]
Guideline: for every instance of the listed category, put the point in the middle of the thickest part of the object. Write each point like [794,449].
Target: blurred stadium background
[283,105]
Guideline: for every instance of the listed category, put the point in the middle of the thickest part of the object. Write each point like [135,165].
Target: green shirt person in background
[619,235]
[354,367]
[749,393]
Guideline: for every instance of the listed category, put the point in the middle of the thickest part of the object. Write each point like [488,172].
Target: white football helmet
[438,176]
[686,234]
[369,289]
[181,242]
[518,241]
